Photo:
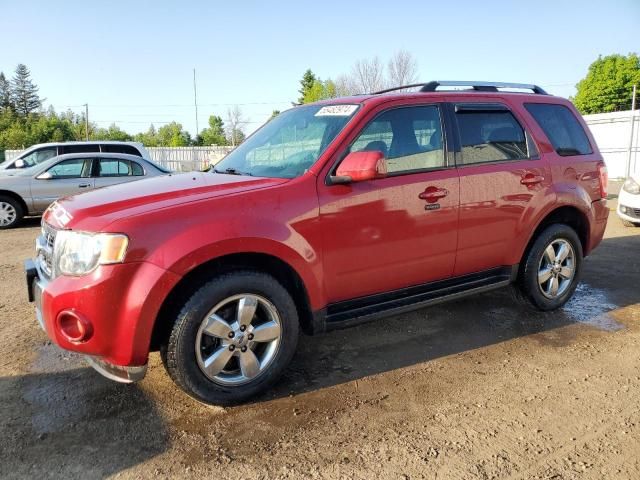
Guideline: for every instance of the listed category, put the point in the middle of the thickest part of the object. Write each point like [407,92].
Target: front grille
[632,212]
[45,245]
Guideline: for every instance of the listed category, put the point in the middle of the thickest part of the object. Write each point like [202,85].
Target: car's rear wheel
[233,338]
[550,271]
[11,212]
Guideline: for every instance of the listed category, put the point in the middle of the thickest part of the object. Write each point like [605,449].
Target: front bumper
[121,302]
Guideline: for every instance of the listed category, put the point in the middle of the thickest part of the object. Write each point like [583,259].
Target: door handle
[433,194]
[531,179]
[84,185]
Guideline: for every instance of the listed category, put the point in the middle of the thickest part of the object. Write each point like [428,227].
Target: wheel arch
[18,198]
[262,262]
[566,214]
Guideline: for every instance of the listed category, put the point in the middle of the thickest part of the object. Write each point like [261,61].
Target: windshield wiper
[232,171]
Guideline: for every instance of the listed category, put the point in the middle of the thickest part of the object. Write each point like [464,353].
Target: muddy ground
[473,389]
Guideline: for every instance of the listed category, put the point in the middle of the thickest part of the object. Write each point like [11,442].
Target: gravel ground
[473,389]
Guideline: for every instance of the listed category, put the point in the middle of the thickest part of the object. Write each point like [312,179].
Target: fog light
[623,209]
[74,326]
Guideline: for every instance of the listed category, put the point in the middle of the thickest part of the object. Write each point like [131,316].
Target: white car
[629,201]
[44,151]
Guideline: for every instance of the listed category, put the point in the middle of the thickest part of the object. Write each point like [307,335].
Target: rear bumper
[600,211]
[120,303]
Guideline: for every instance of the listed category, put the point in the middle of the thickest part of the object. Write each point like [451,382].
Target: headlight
[79,253]
[631,186]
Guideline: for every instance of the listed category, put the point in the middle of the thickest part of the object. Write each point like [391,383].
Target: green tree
[172,135]
[113,133]
[274,114]
[24,93]
[306,84]
[608,85]
[214,134]
[148,138]
[5,94]
[320,90]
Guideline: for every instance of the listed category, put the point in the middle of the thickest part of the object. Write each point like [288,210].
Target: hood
[96,209]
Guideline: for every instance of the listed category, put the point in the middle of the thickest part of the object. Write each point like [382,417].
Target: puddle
[590,306]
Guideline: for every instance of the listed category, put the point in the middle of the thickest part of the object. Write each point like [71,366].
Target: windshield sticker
[336,111]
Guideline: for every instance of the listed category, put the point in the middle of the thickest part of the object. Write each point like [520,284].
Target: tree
[320,90]
[402,69]
[148,138]
[368,75]
[114,133]
[173,135]
[274,114]
[214,135]
[5,94]
[24,93]
[306,84]
[608,85]
[235,133]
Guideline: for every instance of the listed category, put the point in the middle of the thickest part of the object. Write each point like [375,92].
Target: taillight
[604,179]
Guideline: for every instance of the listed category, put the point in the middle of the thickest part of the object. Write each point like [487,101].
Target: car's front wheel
[233,338]
[10,212]
[550,271]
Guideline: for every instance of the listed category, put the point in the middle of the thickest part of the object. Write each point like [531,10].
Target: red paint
[343,240]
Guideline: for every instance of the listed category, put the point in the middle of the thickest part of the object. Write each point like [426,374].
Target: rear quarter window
[128,149]
[561,127]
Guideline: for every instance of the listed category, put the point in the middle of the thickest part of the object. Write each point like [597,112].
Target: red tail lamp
[74,326]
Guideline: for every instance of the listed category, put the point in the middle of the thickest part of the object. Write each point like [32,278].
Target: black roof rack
[478,86]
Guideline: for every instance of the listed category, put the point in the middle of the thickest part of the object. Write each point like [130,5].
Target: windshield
[290,143]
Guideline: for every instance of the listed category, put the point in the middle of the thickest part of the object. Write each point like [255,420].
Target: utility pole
[631,134]
[86,120]
[195,100]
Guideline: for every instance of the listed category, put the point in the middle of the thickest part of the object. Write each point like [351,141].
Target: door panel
[493,203]
[500,176]
[68,177]
[399,231]
[379,236]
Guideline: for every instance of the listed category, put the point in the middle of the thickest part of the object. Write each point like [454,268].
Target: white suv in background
[629,201]
[44,151]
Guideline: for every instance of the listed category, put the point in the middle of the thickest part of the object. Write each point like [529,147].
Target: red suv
[331,214]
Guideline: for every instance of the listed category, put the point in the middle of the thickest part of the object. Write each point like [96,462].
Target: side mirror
[361,166]
[45,176]
[19,163]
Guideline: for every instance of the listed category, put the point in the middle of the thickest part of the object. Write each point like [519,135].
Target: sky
[132,61]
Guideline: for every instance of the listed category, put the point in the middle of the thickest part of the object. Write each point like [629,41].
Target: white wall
[612,132]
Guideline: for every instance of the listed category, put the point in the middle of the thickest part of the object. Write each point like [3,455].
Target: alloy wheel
[8,214]
[557,268]
[238,339]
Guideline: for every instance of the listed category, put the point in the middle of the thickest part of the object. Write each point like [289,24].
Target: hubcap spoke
[266,332]
[553,286]
[566,272]
[544,275]
[217,327]
[550,253]
[246,310]
[217,361]
[563,252]
[249,364]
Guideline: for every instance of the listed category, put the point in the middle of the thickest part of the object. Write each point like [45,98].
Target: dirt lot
[472,389]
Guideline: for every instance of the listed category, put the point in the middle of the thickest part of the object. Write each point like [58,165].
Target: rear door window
[128,149]
[490,135]
[561,128]
[115,167]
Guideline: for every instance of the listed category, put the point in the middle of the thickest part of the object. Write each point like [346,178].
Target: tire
[627,223]
[195,341]
[11,212]
[537,264]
